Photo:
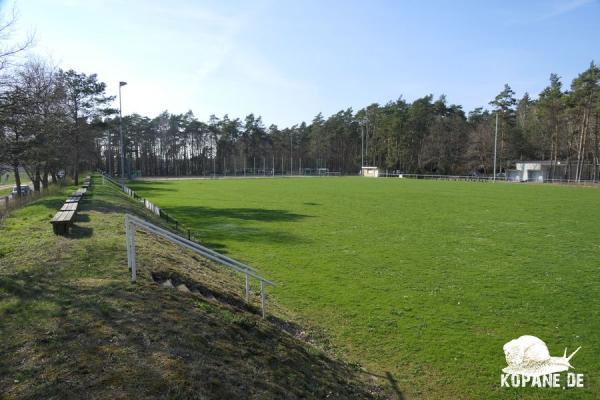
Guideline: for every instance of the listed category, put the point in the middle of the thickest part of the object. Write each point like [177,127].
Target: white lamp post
[121,135]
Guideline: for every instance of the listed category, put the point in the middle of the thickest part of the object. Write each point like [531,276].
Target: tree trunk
[76,166]
[581,147]
[76,150]
[36,178]
[17,178]
[45,177]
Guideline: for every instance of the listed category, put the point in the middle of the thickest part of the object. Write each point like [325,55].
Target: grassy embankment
[73,326]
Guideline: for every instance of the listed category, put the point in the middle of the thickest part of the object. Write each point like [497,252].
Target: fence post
[189,235]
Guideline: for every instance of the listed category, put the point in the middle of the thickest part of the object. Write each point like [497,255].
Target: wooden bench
[61,222]
[66,215]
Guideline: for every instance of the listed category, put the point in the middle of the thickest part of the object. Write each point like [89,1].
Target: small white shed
[370,171]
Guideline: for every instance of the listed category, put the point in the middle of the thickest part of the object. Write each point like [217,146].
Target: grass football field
[420,282]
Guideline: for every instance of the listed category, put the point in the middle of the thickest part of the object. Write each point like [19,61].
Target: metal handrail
[131,222]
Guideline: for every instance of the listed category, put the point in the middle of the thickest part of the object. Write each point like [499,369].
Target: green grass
[73,326]
[421,282]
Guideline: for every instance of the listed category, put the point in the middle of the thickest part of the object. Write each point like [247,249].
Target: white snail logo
[529,356]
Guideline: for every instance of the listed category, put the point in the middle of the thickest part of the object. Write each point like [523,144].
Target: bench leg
[60,229]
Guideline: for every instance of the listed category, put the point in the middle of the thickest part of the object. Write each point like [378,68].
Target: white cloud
[552,10]
[564,7]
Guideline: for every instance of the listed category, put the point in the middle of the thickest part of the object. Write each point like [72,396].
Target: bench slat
[69,207]
[63,217]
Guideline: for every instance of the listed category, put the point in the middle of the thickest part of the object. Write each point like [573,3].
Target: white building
[544,171]
[370,171]
[532,171]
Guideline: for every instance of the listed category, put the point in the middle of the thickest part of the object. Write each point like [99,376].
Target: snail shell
[529,356]
[526,350]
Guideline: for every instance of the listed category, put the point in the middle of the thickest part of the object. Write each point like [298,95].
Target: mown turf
[73,326]
[422,282]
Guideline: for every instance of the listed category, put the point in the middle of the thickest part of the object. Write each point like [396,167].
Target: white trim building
[544,171]
[372,172]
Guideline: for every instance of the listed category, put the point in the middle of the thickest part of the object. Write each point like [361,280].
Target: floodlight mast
[362,146]
[363,124]
[121,84]
[495,144]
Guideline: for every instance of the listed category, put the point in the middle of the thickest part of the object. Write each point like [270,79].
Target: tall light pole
[362,146]
[495,145]
[109,159]
[363,124]
[291,155]
[121,84]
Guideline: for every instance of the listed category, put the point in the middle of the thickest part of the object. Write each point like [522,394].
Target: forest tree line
[427,135]
[55,120]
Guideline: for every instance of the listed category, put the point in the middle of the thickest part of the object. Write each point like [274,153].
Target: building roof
[544,162]
[549,162]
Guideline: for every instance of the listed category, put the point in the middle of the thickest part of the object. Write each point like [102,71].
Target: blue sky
[289,60]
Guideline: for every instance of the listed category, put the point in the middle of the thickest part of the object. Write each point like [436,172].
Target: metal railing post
[133,265]
[128,242]
[262,298]
[247,288]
